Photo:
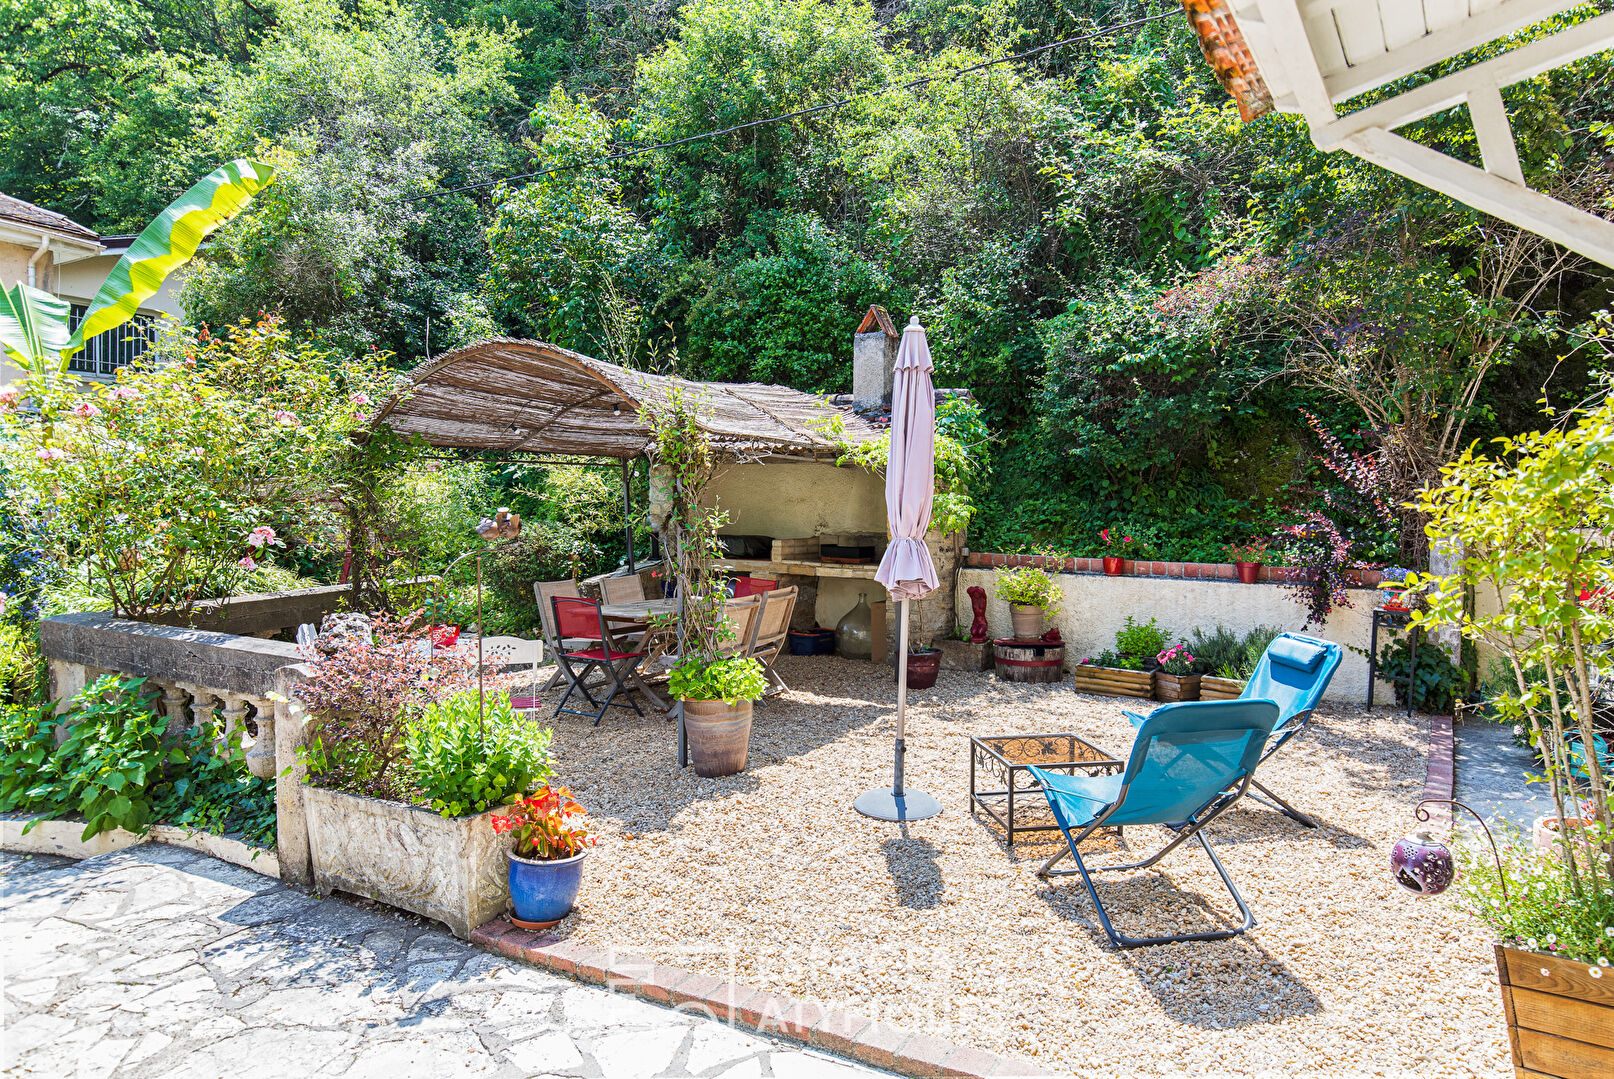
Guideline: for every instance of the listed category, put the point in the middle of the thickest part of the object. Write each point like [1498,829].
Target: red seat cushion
[602,655]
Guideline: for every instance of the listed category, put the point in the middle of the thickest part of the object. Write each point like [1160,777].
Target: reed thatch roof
[530,397]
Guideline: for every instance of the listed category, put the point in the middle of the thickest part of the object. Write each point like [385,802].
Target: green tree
[367,117]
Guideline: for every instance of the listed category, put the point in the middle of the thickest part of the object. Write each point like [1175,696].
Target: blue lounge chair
[1188,765]
[1293,672]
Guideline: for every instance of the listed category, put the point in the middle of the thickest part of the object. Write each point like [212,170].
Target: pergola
[528,397]
[509,396]
[1308,57]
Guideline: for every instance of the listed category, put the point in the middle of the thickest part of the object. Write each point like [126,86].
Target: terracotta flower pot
[1249,572]
[923,667]
[719,735]
[1027,621]
[1114,567]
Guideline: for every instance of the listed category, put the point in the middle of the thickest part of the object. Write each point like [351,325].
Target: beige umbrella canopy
[907,570]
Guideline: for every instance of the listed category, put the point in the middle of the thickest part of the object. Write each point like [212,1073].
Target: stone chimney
[874,359]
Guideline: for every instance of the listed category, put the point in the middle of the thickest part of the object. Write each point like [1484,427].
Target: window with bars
[118,347]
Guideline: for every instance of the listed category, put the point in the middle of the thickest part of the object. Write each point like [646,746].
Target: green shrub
[214,792]
[1031,587]
[1221,647]
[460,763]
[731,679]
[1440,681]
[22,670]
[106,770]
[1140,640]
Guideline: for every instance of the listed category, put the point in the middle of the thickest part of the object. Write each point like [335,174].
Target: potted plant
[1032,595]
[1394,587]
[715,687]
[1176,680]
[401,746]
[1247,559]
[1532,525]
[1126,670]
[551,840]
[1117,549]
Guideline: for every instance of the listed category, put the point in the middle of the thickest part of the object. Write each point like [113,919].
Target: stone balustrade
[198,677]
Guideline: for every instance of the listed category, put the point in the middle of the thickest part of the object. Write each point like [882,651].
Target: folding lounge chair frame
[1192,720]
[1294,672]
[618,667]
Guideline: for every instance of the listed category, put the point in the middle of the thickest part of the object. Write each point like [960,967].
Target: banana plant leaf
[169,242]
[33,326]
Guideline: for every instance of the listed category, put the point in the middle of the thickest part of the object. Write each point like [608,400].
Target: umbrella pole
[898,803]
[902,696]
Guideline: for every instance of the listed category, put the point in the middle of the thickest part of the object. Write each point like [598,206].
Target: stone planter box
[1560,1019]
[1212,688]
[1176,687]
[1113,681]
[449,869]
[966,655]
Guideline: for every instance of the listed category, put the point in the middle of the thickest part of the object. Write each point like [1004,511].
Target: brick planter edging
[877,1044]
[1440,775]
[1192,571]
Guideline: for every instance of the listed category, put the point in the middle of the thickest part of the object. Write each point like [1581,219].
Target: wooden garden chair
[769,633]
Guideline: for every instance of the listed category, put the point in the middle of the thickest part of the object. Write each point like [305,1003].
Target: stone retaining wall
[1095,606]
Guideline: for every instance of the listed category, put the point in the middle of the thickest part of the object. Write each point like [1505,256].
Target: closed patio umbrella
[906,570]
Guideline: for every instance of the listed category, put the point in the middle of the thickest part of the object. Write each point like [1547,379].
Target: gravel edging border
[1440,776]
[877,1044]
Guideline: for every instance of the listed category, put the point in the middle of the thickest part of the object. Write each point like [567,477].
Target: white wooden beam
[1287,31]
[1443,44]
[1525,62]
[1563,224]
[1495,135]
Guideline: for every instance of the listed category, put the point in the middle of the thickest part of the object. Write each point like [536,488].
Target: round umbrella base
[882,804]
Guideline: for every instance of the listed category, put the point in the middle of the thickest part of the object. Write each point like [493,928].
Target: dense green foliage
[468,754]
[1142,291]
[115,768]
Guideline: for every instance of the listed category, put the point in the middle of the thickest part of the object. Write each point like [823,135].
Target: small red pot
[1114,567]
[923,667]
[1249,572]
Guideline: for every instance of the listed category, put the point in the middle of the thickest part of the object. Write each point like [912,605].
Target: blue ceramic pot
[826,643]
[542,893]
[803,642]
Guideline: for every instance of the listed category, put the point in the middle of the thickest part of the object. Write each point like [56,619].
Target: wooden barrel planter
[1114,681]
[1028,661]
[1212,688]
[1176,687]
[1560,1018]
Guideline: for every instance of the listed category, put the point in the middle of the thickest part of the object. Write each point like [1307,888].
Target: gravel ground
[772,877]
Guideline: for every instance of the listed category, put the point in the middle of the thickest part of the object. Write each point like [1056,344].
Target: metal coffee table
[1004,762]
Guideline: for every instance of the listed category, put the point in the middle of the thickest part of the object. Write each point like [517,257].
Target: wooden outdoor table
[641,610]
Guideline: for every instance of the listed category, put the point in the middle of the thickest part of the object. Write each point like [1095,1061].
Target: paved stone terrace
[155,961]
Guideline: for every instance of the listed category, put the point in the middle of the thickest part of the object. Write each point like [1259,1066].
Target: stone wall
[1095,606]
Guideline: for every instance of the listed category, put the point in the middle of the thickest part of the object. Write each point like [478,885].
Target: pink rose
[284,418]
[360,398]
[51,453]
[9,396]
[247,563]
[123,393]
[84,409]
[262,535]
